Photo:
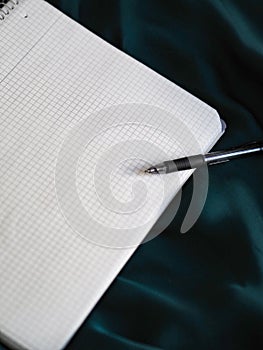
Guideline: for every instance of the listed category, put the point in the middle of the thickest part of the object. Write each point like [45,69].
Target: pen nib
[151,170]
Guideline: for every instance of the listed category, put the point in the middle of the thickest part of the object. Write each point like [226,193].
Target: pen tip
[151,170]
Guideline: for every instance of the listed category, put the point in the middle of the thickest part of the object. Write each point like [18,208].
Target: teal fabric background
[203,290]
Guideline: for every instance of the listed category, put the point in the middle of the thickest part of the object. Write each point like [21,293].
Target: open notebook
[78,121]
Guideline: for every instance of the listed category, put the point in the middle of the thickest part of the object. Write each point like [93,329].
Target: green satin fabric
[203,290]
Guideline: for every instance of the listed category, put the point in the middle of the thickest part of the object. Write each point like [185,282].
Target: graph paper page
[79,120]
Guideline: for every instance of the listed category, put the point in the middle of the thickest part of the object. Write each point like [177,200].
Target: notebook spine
[6,6]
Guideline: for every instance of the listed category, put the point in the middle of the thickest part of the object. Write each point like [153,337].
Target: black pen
[196,161]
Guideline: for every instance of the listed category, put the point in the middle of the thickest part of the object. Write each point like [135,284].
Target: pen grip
[185,163]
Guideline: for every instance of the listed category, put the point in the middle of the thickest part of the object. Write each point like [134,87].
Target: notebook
[79,121]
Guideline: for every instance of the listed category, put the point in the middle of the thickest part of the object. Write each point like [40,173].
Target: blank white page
[78,121]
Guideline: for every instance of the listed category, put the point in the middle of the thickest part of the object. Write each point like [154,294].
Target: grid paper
[60,83]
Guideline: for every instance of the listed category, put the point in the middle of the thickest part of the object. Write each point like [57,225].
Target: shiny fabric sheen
[202,290]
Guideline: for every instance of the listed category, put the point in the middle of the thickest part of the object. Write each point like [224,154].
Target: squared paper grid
[17,36]
[50,277]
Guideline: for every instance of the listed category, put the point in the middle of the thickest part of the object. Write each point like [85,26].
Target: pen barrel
[236,152]
[196,161]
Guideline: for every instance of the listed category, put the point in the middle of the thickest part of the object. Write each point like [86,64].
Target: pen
[196,161]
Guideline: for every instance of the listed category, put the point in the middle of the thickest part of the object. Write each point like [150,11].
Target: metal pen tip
[151,170]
